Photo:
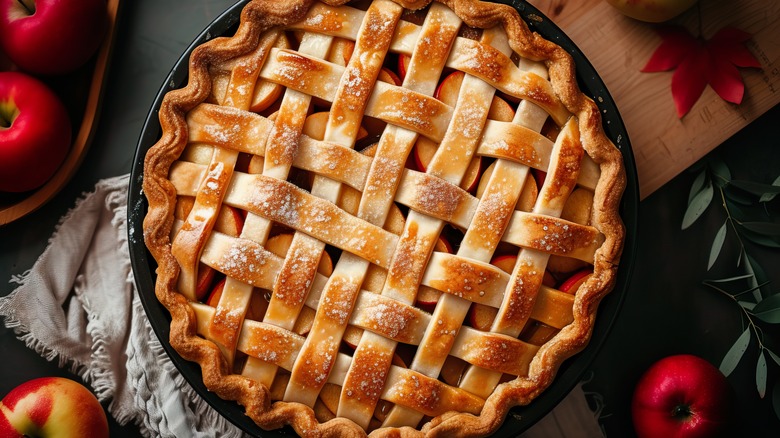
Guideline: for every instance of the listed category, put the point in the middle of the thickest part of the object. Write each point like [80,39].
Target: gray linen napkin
[78,305]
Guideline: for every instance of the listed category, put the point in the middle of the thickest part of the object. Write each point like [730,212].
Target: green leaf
[758,189]
[698,204]
[697,185]
[717,244]
[699,165]
[747,305]
[766,197]
[763,228]
[774,357]
[753,282]
[770,316]
[761,280]
[752,289]
[721,171]
[735,353]
[730,279]
[768,309]
[776,400]
[761,239]
[735,195]
[761,374]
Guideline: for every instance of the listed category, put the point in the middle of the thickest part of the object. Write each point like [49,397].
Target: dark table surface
[667,309]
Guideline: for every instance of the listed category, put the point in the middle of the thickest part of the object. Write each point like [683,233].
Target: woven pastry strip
[300,265]
[369,370]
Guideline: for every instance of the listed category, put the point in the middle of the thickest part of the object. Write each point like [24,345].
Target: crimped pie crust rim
[254,397]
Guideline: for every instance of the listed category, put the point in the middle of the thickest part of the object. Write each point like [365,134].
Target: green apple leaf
[735,353]
[761,374]
[698,204]
[717,244]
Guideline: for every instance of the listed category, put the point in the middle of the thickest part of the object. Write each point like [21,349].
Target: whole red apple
[35,132]
[682,396]
[52,36]
[52,406]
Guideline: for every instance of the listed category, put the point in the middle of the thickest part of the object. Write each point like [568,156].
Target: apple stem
[6,117]
[681,412]
[28,5]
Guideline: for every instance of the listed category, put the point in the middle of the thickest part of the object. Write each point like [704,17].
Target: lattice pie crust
[380,217]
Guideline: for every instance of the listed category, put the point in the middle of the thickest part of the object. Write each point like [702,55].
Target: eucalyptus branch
[757,308]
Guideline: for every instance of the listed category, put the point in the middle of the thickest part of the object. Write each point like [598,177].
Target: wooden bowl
[82,93]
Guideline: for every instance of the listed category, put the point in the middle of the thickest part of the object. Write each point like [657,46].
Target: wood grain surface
[618,47]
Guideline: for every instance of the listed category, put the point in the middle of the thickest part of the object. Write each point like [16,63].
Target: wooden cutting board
[618,47]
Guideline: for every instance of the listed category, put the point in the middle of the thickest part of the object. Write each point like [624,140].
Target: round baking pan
[521,417]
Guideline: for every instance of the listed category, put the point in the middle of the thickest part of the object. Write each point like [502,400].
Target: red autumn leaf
[698,62]
[726,80]
[676,44]
[689,80]
[730,43]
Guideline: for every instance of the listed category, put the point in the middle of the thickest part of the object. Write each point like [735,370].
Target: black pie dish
[520,418]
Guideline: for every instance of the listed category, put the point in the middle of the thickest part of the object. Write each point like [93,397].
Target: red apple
[35,132]
[682,396]
[653,11]
[52,36]
[52,406]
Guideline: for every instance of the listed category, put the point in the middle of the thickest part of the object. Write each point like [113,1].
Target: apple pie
[390,217]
